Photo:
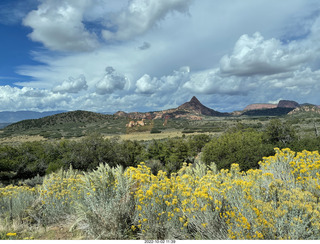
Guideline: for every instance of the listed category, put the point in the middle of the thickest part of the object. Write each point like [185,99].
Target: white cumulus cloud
[14,99]
[141,15]
[146,84]
[165,84]
[212,82]
[72,85]
[58,25]
[255,55]
[111,82]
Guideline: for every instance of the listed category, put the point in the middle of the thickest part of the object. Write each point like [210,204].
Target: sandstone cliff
[306,109]
[260,106]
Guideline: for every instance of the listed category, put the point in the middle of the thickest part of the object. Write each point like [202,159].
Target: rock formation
[268,109]
[287,104]
[120,114]
[192,110]
[306,109]
[133,123]
[195,106]
[256,106]
[141,122]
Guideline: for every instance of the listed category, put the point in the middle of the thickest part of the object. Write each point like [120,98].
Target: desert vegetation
[243,183]
[241,144]
[278,201]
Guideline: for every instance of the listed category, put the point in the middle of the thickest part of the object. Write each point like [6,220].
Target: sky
[151,55]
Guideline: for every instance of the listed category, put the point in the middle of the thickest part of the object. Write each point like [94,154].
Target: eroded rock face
[135,123]
[306,109]
[131,124]
[287,104]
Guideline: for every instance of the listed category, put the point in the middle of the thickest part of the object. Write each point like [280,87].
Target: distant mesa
[288,104]
[281,104]
[260,106]
[267,109]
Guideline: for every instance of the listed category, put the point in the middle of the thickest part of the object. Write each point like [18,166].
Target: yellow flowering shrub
[59,192]
[14,201]
[277,201]
[280,200]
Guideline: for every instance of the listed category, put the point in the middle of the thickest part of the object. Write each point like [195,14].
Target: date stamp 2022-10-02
[160,241]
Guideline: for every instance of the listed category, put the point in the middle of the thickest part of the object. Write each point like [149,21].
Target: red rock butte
[260,106]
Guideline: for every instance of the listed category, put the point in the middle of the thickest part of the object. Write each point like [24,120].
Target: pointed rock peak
[195,106]
[194,100]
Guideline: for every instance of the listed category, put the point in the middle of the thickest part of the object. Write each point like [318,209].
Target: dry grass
[22,138]
[138,136]
[146,136]
[59,232]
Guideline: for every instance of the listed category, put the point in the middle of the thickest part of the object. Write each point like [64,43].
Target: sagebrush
[280,200]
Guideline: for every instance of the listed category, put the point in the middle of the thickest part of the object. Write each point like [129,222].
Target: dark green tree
[197,142]
[245,148]
[156,151]
[279,134]
[130,153]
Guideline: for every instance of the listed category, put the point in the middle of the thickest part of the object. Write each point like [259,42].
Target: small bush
[155,131]
[106,209]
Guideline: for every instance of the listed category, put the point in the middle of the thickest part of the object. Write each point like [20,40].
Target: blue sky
[146,55]
[15,45]
[15,51]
